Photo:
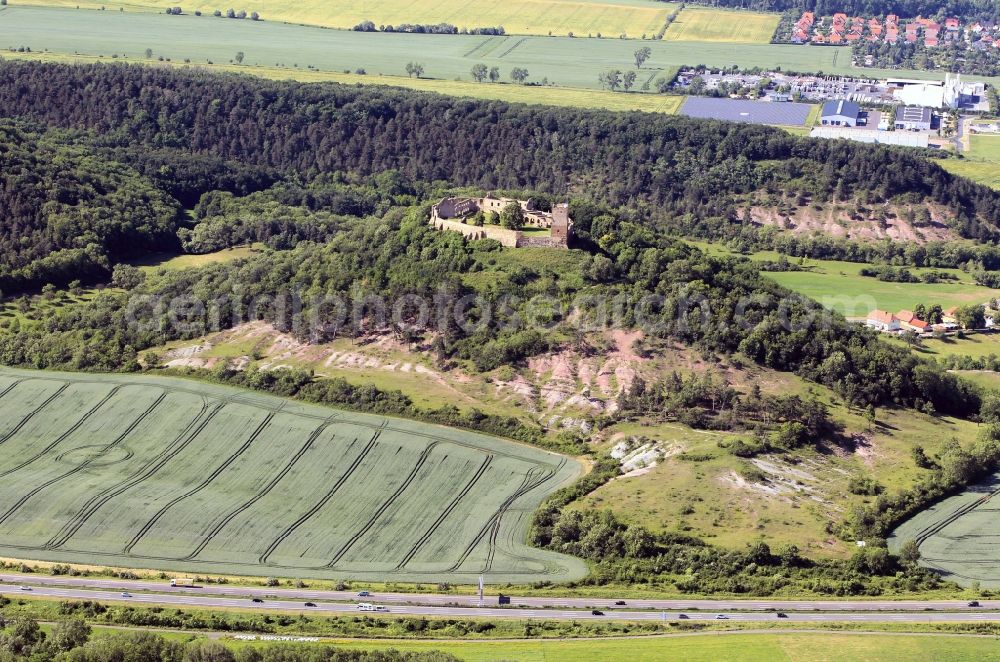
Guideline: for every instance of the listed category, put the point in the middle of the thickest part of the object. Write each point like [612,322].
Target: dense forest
[68,214]
[672,171]
[987,10]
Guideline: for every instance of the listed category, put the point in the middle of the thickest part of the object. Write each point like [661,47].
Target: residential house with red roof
[882,321]
[910,322]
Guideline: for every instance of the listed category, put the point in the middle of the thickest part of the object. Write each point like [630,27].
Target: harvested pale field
[138,471]
[701,24]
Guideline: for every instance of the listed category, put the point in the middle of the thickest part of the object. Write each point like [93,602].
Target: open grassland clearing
[163,473]
[182,262]
[697,487]
[611,18]
[563,61]
[976,345]
[701,24]
[981,163]
[839,286]
[801,647]
[986,379]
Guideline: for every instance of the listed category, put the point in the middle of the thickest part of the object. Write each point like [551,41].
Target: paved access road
[213,595]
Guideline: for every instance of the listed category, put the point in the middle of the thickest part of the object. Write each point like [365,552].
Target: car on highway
[721,617]
[257,600]
[683,616]
[310,604]
[596,612]
[25,588]
[782,614]
[364,594]
[126,594]
[619,603]
[974,603]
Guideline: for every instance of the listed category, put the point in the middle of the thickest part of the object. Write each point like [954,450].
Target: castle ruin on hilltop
[455,214]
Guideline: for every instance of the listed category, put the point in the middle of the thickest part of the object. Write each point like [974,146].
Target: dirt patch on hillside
[876,222]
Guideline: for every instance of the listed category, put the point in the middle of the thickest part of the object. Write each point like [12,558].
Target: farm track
[263,559]
[97,501]
[385,506]
[10,387]
[512,48]
[447,511]
[492,527]
[528,477]
[236,512]
[121,437]
[24,421]
[201,486]
[61,438]
[964,510]
[92,530]
[278,408]
[251,402]
[478,46]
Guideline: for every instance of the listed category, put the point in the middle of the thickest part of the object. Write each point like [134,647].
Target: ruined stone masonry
[449,213]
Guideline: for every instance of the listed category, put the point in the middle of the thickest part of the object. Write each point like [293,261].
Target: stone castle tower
[560,223]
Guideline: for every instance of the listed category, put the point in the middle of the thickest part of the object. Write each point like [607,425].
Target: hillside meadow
[981,164]
[839,286]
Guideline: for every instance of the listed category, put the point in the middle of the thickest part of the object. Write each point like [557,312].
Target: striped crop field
[957,536]
[539,17]
[161,473]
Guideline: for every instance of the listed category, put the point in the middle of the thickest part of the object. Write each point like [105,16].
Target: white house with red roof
[882,321]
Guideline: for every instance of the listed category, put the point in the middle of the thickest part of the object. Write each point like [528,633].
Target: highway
[213,596]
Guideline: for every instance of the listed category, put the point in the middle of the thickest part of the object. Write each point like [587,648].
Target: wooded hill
[673,172]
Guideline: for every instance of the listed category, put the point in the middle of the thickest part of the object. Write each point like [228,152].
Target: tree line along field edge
[397,481]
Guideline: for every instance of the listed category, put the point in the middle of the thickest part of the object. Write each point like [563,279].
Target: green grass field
[976,345]
[719,25]
[564,62]
[838,286]
[536,17]
[181,262]
[162,473]
[801,647]
[959,536]
[981,164]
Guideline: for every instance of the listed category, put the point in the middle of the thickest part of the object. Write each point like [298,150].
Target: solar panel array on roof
[753,112]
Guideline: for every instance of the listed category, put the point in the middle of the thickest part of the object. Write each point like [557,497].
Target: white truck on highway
[182,581]
[365,606]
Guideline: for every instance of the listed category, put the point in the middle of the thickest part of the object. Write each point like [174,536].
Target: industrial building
[913,118]
[840,113]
